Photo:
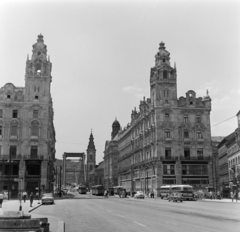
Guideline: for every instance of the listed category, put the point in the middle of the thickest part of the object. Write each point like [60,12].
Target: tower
[38,74]
[163,79]
[91,161]
[115,128]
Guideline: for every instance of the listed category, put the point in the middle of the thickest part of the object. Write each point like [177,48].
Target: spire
[91,145]
[40,38]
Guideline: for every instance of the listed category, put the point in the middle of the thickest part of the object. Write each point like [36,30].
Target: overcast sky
[102,52]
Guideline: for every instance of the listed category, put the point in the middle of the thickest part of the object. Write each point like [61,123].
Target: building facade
[91,162]
[169,139]
[27,134]
[111,158]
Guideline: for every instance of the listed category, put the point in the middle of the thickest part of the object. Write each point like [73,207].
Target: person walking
[31,197]
[1,199]
[152,194]
[231,195]
[24,196]
[37,197]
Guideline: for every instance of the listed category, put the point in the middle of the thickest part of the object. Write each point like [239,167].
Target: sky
[102,53]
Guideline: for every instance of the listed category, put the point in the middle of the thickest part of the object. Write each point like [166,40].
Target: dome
[116,123]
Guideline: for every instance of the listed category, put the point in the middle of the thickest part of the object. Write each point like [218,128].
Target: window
[165,74]
[187,152]
[35,114]
[198,118]
[15,114]
[90,167]
[34,151]
[166,101]
[36,97]
[168,152]
[0,129]
[185,118]
[186,134]
[167,133]
[14,129]
[200,153]
[167,116]
[8,96]
[1,113]
[199,135]
[165,93]
[91,158]
[35,128]
[13,151]
[168,170]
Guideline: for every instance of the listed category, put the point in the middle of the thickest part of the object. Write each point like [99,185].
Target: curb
[34,208]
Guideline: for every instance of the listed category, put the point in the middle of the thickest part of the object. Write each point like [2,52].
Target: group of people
[31,197]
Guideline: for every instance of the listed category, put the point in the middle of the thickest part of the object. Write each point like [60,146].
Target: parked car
[139,194]
[47,198]
[175,197]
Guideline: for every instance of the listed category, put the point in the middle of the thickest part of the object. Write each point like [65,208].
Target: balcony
[13,157]
[168,158]
[33,157]
[195,158]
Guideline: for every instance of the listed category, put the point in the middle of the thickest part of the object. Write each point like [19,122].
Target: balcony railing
[195,158]
[13,157]
[33,157]
[168,158]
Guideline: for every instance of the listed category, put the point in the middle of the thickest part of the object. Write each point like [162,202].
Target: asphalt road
[87,213]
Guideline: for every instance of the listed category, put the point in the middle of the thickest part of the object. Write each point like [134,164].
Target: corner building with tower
[168,141]
[27,134]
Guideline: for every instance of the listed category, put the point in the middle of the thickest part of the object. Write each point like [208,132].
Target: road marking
[139,224]
[120,215]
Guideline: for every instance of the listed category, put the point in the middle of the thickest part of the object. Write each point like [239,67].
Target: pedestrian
[231,195]
[31,197]
[1,199]
[152,194]
[24,196]
[37,197]
[236,196]
[211,195]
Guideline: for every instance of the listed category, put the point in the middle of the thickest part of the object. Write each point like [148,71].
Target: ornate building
[111,158]
[27,135]
[169,139]
[91,162]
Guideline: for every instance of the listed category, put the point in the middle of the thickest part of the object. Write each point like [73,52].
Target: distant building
[99,174]
[27,134]
[91,162]
[111,154]
[169,139]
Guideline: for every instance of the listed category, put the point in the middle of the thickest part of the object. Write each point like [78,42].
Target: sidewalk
[13,205]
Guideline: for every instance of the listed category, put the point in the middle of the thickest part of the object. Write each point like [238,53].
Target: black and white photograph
[120,115]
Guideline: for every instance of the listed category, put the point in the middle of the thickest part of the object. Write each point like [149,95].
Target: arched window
[14,126]
[165,74]
[35,128]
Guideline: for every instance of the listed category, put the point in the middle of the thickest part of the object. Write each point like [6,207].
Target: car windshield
[47,195]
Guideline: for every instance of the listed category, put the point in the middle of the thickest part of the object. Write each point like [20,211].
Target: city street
[94,213]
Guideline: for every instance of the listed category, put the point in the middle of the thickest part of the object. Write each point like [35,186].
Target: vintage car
[139,194]
[175,197]
[47,198]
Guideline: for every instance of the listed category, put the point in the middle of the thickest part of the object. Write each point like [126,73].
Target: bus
[117,189]
[185,190]
[82,189]
[98,190]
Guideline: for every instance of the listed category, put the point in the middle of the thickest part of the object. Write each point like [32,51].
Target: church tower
[163,80]
[38,74]
[91,161]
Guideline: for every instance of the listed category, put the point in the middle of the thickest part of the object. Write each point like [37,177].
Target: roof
[226,140]
[217,138]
